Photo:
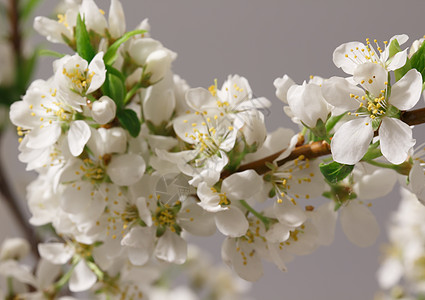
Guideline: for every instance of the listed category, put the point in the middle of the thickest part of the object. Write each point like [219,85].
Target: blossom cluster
[131,160]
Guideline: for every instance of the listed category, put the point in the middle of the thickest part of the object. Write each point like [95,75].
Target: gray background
[262,40]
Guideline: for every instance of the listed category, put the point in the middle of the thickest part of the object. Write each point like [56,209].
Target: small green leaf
[332,121]
[335,172]
[393,50]
[114,88]
[372,152]
[84,48]
[47,52]
[417,60]
[111,53]
[129,120]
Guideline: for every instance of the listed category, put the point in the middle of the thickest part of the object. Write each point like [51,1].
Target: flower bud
[14,248]
[103,110]
[158,63]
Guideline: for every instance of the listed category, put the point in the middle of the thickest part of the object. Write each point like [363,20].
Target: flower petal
[242,185]
[406,92]
[396,140]
[78,135]
[98,70]
[82,278]
[289,214]
[56,253]
[342,56]
[200,98]
[359,224]
[231,222]
[351,141]
[44,137]
[337,90]
[372,77]
[126,169]
[171,248]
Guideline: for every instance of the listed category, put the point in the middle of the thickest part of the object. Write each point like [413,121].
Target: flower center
[80,79]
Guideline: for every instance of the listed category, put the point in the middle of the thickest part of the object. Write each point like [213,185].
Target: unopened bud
[158,63]
[14,248]
[103,110]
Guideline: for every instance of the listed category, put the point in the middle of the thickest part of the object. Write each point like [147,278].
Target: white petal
[200,98]
[46,273]
[97,68]
[82,278]
[196,220]
[375,185]
[56,253]
[44,137]
[277,233]
[242,185]
[307,95]
[372,77]
[337,90]
[398,61]
[78,135]
[51,29]
[282,86]
[126,169]
[171,248]
[324,218]
[94,19]
[228,251]
[248,266]
[347,63]
[116,19]
[417,180]
[289,214]
[158,105]
[11,268]
[231,222]
[359,224]
[140,244]
[390,273]
[351,141]
[396,140]
[406,92]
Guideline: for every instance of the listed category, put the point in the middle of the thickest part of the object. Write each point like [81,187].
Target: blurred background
[263,40]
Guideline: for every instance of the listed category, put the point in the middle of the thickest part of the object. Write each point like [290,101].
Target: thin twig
[317,149]
[15,34]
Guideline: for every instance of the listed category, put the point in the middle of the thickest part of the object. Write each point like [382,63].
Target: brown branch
[317,149]
[413,117]
[15,34]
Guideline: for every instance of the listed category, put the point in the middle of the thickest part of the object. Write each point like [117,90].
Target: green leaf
[335,172]
[332,121]
[28,7]
[417,60]
[111,53]
[47,52]
[114,88]
[84,48]
[372,152]
[129,120]
[393,50]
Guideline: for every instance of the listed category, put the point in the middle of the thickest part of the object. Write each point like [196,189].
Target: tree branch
[15,34]
[317,149]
